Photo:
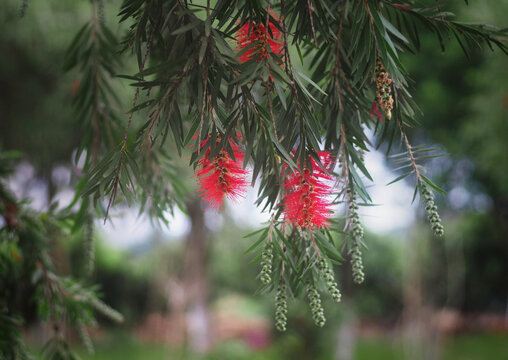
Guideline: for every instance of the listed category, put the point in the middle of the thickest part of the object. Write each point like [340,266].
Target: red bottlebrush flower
[10,213]
[374,111]
[306,203]
[221,176]
[252,33]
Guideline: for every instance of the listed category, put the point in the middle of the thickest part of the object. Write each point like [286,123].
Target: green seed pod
[431,210]
[281,307]
[85,337]
[315,305]
[357,233]
[356,260]
[327,275]
[88,246]
[266,263]
[106,310]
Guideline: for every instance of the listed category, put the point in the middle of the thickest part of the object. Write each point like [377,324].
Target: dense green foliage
[29,284]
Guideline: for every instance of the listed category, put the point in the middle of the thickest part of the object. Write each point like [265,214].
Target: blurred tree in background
[465,112]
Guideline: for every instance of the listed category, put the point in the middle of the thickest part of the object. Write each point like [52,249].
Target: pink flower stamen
[257,35]
[306,203]
[221,176]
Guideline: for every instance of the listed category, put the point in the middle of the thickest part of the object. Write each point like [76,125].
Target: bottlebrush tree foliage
[30,285]
[280,94]
[275,93]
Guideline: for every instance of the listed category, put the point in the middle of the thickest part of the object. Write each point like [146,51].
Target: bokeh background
[189,291]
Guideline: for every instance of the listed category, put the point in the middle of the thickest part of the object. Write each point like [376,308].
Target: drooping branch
[123,148]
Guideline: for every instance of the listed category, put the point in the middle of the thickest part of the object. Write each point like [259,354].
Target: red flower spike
[221,176]
[306,203]
[374,111]
[251,33]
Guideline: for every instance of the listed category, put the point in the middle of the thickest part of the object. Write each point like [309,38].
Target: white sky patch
[25,185]
[127,229]
[179,224]
[245,213]
[459,197]
[394,210]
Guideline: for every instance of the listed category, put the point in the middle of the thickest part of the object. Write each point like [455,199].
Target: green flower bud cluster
[356,259]
[357,234]
[266,263]
[431,209]
[315,305]
[329,278]
[85,337]
[281,307]
[106,310]
[356,226]
[89,246]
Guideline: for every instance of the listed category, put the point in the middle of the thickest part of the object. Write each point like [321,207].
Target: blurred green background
[424,298]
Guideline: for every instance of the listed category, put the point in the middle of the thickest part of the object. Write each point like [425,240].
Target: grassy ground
[463,347]
[471,347]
